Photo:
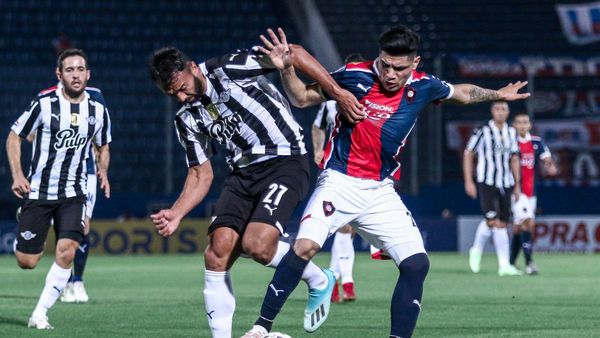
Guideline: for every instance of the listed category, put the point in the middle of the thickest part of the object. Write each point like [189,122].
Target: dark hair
[520,114]
[498,102]
[68,53]
[164,63]
[399,40]
[354,57]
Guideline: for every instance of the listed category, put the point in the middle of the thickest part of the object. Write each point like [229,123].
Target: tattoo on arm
[478,94]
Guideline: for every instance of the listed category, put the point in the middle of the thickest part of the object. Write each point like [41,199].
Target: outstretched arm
[287,58]
[469,93]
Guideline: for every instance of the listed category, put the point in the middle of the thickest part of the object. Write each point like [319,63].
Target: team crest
[27,235]
[410,94]
[224,96]
[75,120]
[91,120]
[328,208]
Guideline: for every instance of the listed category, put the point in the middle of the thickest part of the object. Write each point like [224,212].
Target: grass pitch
[161,296]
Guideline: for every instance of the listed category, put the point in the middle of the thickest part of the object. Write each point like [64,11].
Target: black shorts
[266,192]
[495,202]
[36,216]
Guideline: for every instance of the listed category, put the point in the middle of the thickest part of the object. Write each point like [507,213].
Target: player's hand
[471,189]
[277,49]
[318,156]
[517,192]
[349,106]
[511,91]
[166,221]
[552,170]
[21,186]
[104,184]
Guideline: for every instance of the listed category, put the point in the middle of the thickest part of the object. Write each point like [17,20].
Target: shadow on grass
[12,321]
[2,296]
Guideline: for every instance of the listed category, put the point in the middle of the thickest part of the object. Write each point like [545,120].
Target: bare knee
[306,248]
[220,252]
[65,252]
[500,224]
[27,261]
[346,229]
[261,249]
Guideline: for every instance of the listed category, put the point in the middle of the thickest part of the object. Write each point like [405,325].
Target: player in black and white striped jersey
[229,100]
[66,121]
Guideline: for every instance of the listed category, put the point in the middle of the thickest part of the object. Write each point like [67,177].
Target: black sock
[286,278]
[406,301]
[80,260]
[527,245]
[515,247]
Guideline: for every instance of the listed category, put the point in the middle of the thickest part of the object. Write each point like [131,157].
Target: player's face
[394,71]
[74,75]
[187,85]
[522,124]
[500,112]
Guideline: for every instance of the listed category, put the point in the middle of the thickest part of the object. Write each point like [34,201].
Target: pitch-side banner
[553,233]
[581,22]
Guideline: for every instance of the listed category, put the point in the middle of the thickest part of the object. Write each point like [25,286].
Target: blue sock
[515,247]
[527,245]
[406,301]
[286,278]
[80,260]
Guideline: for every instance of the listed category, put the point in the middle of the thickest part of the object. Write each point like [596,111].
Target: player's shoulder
[363,66]
[536,138]
[47,91]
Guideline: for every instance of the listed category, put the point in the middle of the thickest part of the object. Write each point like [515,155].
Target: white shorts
[524,208]
[376,211]
[90,199]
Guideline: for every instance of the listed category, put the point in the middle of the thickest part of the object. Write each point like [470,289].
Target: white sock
[345,255]
[481,236]
[219,302]
[501,244]
[312,275]
[56,279]
[334,264]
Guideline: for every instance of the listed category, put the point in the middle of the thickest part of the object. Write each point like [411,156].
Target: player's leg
[335,268]
[519,213]
[33,224]
[484,229]
[515,243]
[345,258]
[388,224]
[68,218]
[527,237]
[500,234]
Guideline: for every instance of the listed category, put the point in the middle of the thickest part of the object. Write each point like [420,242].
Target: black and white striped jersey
[325,118]
[63,135]
[242,110]
[494,147]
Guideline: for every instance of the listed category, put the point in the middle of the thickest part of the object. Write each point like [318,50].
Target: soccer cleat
[79,293]
[257,331]
[532,269]
[475,260]
[509,270]
[335,295]
[349,295]
[319,301]
[40,323]
[68,295]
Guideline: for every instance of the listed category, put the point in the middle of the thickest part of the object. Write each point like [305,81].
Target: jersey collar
[527,138]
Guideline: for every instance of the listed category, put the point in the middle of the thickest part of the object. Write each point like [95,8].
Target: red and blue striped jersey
[370,149]
[531,148]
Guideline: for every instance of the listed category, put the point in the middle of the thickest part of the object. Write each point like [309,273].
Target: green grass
[161,296]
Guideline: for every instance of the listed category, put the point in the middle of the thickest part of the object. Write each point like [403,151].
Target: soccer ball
[277,335]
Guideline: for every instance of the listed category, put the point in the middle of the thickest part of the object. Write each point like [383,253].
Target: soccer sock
[482,235]
[334,263]
[80,260]
[286,278]
[406,301]
[56,279]
[312,275]
[345,256]
[219,302]
[515,247]
[527,246]
[501,244]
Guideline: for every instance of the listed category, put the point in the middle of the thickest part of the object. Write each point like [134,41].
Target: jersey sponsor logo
[376,111]
[527,160]
[222,129]
[69,139]
[380,107]
[28,235]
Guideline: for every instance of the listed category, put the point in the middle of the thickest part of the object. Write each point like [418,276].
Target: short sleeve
[198,146]
[29,120]
[440,90]
[104,137]
[474,139]
[544,151]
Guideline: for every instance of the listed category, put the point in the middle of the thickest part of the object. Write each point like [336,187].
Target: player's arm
[197,184]
[468,93]
[468,160]
[515,167]
[550,166]
[20,184]
[288,58]
[103,156]
[318,140]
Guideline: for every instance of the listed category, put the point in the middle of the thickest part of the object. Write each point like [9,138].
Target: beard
[74,93]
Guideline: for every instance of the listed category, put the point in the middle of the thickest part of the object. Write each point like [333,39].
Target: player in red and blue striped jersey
[360,162]
[531,148]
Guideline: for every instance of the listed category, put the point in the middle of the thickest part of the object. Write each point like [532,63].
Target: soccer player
[359,160]
[342,249]
[228,99]
[530,148]
[66,121]
[495,144]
